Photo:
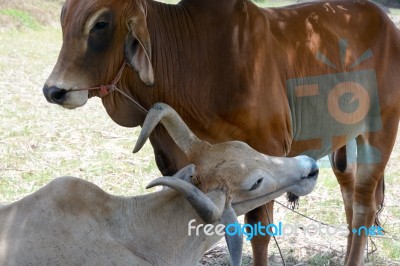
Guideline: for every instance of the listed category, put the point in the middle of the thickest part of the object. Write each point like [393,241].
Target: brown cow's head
[97,36]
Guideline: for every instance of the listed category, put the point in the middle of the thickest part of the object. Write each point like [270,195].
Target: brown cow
[292,80]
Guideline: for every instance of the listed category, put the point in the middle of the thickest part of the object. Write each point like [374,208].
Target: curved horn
[186,173]
[233,241]
[174,124]
[203,205]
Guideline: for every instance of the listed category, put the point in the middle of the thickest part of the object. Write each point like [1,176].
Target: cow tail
[380,196]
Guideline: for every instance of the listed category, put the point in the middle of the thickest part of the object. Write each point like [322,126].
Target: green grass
[322,259]
[392,248]
[395,11]
[274,3]
[22,17]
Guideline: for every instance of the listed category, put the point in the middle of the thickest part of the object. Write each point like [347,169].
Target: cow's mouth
[66,98]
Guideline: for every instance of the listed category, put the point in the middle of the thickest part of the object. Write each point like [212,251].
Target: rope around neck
[106,89]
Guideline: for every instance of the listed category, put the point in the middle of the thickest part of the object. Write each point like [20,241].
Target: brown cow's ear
[138,48]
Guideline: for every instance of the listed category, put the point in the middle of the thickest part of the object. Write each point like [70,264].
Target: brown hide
[225,66]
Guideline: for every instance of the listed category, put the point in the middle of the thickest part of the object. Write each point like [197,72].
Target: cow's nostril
[313,173]
[59,95]
[54,94]
[308,167]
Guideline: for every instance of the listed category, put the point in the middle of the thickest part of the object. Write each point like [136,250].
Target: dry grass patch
[33,14]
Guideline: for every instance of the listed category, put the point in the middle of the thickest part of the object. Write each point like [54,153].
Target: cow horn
[233,241]
[177,129]
[202,204]
[186,173]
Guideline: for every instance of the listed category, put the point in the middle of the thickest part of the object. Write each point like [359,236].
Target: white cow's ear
[138,47]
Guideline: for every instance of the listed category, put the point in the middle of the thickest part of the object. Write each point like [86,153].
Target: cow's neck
[182,57]
[204,70]
[155,228]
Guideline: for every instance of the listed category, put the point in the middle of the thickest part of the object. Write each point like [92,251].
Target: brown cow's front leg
[259,244]
[345,172]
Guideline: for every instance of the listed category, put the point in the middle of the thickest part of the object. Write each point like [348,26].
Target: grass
[274,3]
[22,17]
[39,142]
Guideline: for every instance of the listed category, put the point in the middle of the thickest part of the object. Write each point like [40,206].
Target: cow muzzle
[54,94]
[66,98]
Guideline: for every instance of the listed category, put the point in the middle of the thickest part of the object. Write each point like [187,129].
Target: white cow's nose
[308,166]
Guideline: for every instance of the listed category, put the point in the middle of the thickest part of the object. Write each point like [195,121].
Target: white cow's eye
[256,184]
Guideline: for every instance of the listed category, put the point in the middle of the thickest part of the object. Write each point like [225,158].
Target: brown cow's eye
[99,26]
[257,184]
[100,34]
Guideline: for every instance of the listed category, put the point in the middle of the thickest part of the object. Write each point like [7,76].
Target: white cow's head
[239,178]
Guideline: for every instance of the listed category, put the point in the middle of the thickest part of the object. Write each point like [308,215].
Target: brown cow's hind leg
[373,152]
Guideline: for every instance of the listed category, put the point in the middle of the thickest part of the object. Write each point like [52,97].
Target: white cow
[71,221]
